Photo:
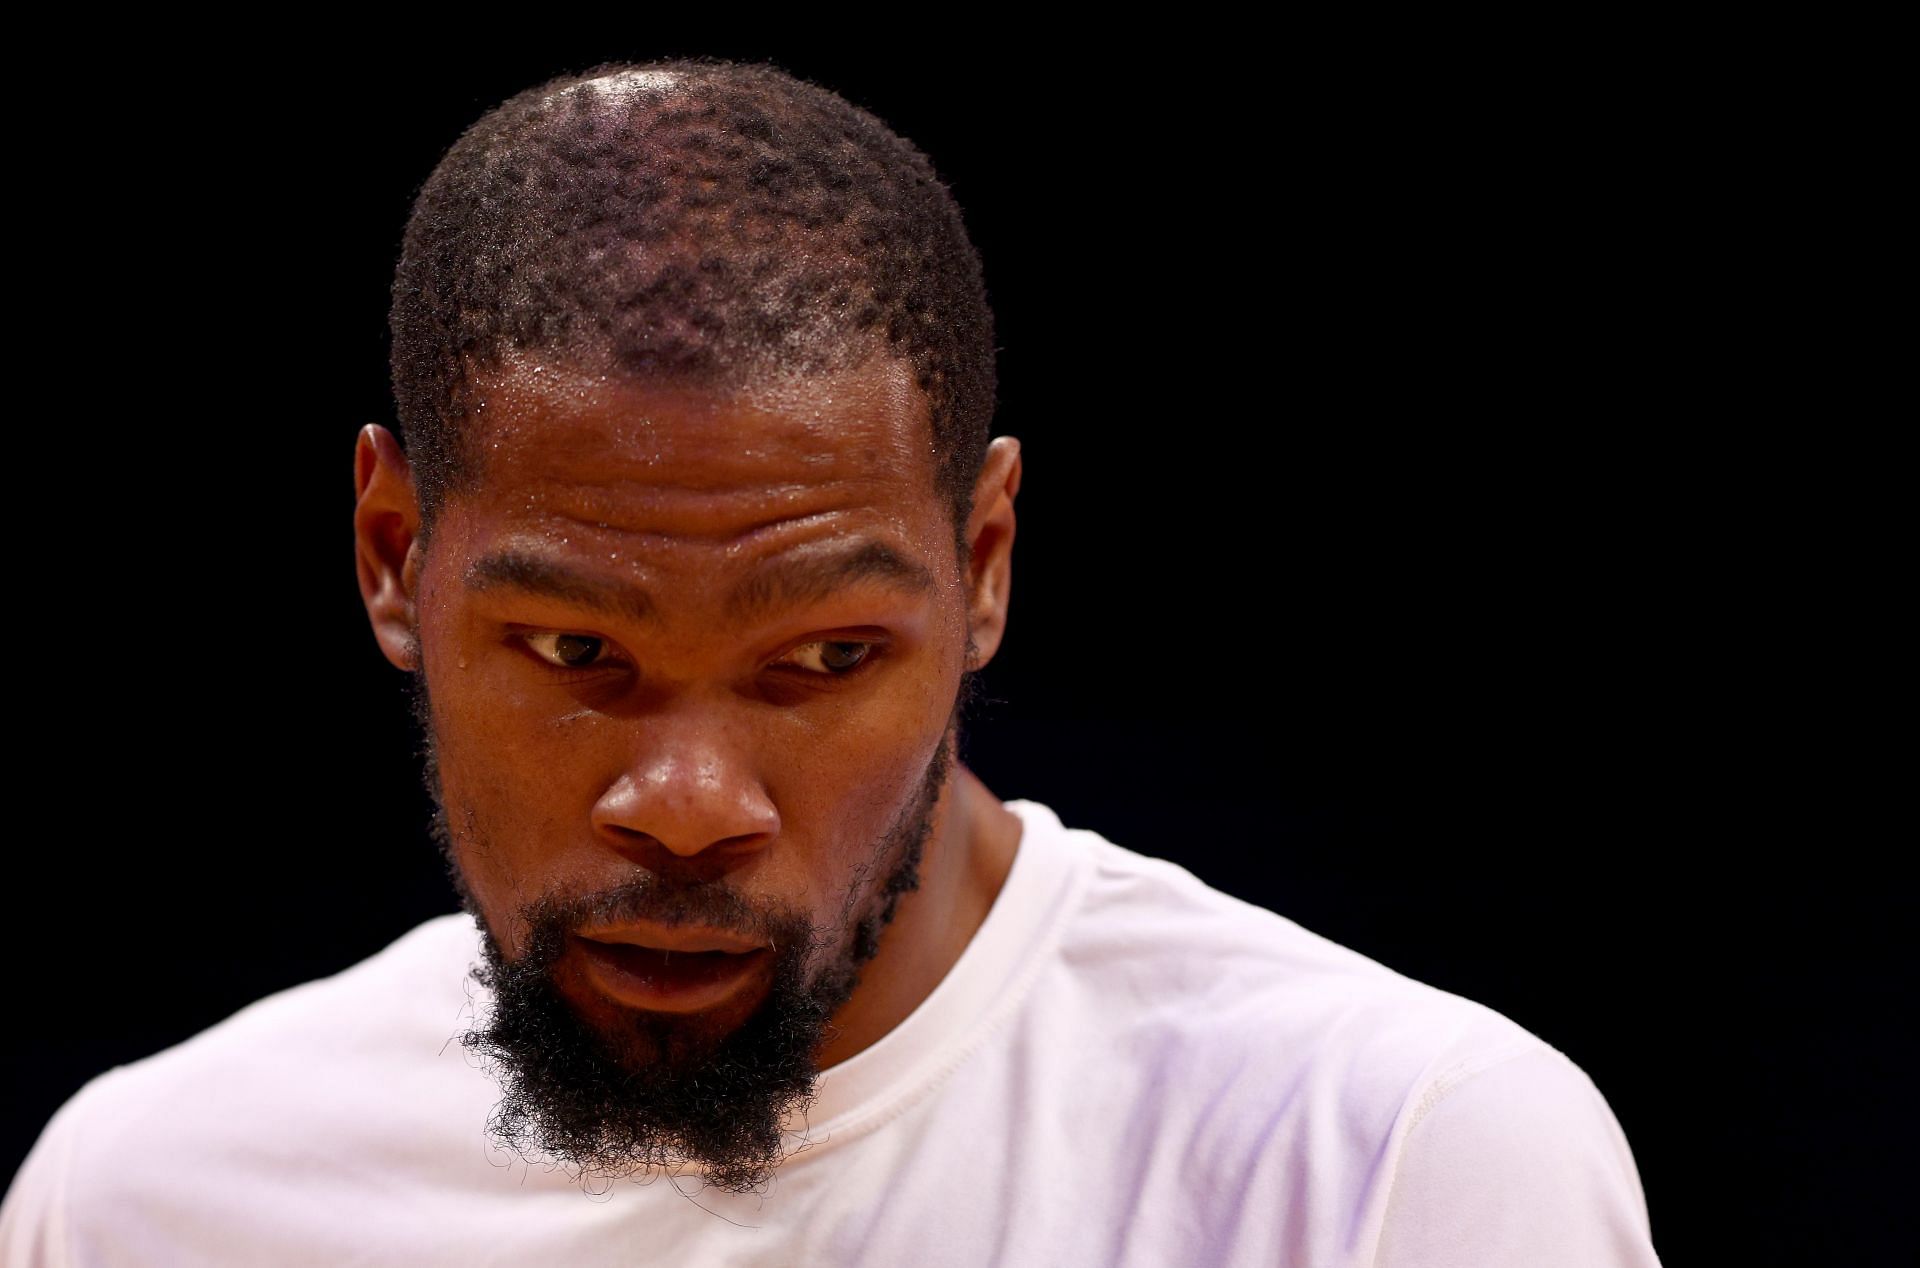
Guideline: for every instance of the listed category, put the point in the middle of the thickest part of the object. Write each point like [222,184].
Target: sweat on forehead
[574,453]
[537,402]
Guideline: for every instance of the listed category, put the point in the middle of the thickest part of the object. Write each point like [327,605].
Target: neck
[966,861]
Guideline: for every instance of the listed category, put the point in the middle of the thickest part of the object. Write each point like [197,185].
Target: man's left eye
[566,651]
[836,659]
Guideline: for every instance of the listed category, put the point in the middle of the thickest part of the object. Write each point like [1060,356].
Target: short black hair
[694,219]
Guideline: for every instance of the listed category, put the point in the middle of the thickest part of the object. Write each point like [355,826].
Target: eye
[566,651]
[838,658]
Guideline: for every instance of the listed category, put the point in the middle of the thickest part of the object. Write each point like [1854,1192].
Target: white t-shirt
[1125,1067]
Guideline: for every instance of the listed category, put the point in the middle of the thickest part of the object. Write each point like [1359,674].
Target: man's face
[687,661]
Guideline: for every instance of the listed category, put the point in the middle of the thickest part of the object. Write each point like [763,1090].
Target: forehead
[665,476]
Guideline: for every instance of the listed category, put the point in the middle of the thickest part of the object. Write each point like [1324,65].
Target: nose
[690,793]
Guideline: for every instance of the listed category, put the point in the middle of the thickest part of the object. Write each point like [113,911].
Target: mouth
[669,981]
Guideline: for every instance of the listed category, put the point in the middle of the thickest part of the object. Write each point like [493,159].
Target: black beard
[664,1089]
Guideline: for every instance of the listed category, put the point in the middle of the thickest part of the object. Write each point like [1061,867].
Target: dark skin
[702,743]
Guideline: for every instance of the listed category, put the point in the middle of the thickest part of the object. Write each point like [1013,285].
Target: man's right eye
[566,651]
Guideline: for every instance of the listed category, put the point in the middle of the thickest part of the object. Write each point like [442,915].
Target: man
[695,544]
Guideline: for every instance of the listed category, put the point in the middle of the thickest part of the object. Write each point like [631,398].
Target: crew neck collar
[984,985]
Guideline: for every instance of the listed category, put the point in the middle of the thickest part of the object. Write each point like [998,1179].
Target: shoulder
[1389,1112]
[1236,975]
[1510,1160]
[385,1002]
[264,1086]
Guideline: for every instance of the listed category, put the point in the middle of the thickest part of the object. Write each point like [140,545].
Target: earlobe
[991,531]
[410,586]
[386,523]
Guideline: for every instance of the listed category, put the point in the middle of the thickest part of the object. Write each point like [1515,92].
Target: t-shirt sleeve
[1518,1164]
[34,1215]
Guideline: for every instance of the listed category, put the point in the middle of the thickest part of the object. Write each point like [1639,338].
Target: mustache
[646,897]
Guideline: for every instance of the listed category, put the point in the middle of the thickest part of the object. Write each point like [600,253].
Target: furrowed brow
[788,581]
[794,580]
[530,574]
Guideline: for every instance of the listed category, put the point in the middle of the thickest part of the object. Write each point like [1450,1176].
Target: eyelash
[583,673]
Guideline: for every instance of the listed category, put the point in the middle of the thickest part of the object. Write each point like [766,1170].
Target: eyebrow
[786,581]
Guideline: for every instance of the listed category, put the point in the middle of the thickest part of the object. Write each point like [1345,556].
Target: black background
[1393,551]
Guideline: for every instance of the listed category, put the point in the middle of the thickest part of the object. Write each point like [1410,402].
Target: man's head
[693,552]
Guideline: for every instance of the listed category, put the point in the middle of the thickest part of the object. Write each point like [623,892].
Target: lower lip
[672,982]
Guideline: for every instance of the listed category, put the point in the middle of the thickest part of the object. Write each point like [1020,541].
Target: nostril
[682,868]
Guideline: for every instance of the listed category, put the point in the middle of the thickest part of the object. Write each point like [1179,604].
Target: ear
[386,527]
[990,530]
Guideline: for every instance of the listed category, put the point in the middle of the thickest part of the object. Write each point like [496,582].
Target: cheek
[868,758]
[514,790]
[858,782]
